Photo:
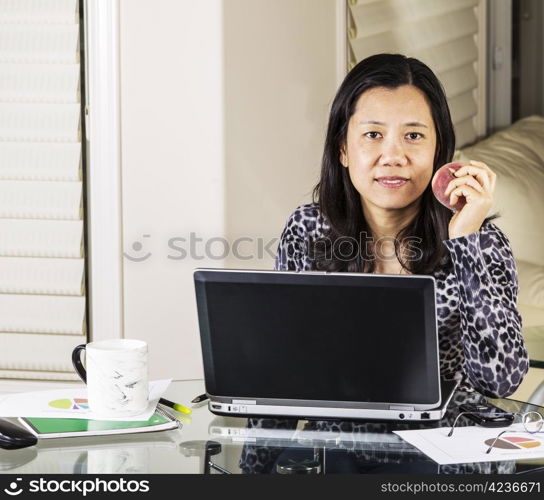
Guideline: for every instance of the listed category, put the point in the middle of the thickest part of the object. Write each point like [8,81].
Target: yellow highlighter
[175,406]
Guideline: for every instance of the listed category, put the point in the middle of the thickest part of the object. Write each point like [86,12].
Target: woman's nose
[393,152]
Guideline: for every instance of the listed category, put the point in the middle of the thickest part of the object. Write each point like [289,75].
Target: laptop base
[240,407]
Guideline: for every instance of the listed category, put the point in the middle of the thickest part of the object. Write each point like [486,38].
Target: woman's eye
[414,136]
[372,135]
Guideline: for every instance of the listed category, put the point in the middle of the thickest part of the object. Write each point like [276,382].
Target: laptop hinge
[401,408]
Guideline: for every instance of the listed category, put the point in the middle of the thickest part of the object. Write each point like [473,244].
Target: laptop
[320,345]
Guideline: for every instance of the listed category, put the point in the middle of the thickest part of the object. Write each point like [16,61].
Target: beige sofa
[516,155]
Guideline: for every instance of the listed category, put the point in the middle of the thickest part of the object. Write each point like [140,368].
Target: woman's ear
[343,156]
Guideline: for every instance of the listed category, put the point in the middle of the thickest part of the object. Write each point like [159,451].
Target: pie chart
[70,404]
[513,443]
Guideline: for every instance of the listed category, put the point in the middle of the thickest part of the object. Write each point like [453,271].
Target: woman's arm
[495,356]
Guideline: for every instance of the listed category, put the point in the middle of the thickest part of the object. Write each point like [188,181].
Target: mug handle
[76,361]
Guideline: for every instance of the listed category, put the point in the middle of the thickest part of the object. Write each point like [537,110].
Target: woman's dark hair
[339,201]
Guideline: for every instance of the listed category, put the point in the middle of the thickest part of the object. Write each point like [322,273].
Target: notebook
[318,345]
[76,427]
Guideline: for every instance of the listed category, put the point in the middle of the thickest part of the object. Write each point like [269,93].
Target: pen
[199,399]
[176,406]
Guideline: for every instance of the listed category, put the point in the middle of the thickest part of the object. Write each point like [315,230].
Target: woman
[374,211]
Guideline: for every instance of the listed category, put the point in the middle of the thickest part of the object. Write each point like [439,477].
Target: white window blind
[42,270]
[447,35]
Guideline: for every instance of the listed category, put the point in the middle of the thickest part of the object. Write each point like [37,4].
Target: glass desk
[218,445]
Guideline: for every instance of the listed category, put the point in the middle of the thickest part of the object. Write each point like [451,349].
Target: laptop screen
[311,336]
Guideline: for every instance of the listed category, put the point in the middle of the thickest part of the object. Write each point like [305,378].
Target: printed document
[469,444]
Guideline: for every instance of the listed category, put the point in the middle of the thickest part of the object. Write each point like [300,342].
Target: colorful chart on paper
[513,443]
[69,404]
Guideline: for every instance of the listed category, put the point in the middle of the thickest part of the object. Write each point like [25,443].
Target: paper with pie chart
[469,444]
[69,403]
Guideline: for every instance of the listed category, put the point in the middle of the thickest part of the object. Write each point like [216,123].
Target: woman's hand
[476,182]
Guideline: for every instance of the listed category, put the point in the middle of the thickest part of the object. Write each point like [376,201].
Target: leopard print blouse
[479,326]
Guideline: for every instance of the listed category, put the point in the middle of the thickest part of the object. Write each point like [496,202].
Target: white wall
[280,71]
[224,105]
[172,166]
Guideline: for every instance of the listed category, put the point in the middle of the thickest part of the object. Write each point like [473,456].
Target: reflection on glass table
[209,444]
[106,455]
[282,446]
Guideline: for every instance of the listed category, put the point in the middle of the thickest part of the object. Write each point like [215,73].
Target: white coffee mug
[116,376]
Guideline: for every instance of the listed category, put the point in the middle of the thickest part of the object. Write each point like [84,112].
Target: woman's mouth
[391,182]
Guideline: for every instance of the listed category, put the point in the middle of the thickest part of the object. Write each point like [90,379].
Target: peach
[442,177]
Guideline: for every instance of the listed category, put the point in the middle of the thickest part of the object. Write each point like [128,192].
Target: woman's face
[390,135]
